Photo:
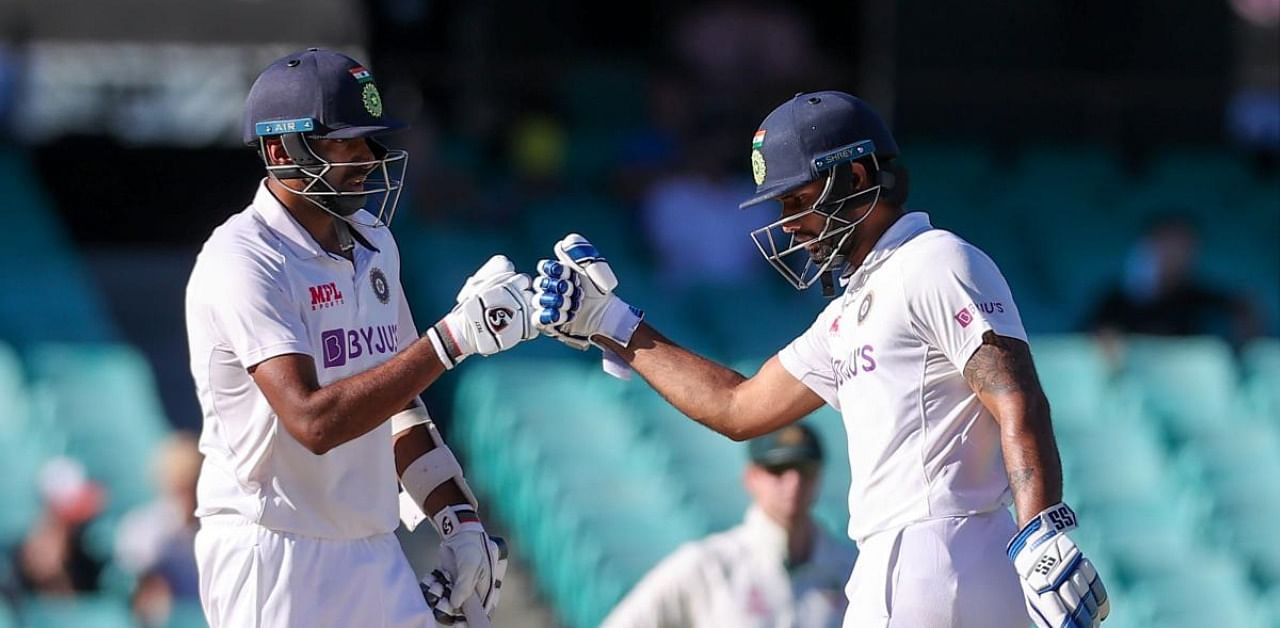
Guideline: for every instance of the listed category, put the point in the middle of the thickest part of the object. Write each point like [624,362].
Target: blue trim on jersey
[280,127]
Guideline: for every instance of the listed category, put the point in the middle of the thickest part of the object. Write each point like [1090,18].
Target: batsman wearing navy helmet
[922,351]
[308,367]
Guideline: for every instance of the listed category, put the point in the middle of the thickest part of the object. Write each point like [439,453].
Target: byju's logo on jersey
[966,313]
[861,360]
[325,295]
[341,345]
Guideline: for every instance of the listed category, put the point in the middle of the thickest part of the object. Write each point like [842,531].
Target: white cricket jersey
[739,578]
[889,354]
[262,287]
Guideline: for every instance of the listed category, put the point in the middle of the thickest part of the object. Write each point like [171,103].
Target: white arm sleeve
[252,308]
[952,303]
[808,358]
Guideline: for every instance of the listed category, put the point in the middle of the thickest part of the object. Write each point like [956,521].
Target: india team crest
[379,283]
[372,100]
[864,308]
[757,166]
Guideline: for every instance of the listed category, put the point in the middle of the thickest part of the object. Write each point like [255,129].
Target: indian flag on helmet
[360,74]
[758,140]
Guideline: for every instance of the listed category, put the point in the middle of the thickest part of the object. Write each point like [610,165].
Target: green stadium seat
[81,612]
[1189,383]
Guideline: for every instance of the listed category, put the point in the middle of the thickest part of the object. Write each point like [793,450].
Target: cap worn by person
[791,445]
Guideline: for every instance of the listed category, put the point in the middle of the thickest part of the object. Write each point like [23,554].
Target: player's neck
[867,234]
[314,220]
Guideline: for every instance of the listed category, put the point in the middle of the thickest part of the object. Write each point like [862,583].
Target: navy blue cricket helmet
[323,94]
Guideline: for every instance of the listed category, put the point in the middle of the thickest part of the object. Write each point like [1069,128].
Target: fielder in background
[923,353]
[778,569]
[308,368]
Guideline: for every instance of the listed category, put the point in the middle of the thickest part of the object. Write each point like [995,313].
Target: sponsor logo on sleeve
[967,313]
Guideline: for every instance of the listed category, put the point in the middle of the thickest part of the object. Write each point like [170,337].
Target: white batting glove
[472,564]
[492,315]
[1063,589]
[574,297]
[497,269]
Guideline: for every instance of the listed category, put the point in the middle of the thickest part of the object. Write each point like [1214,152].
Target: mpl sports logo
[342,345]
[325,295]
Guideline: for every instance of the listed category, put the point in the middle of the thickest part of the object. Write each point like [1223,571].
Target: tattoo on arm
[1003,375]
[1001,365]
[1021,479]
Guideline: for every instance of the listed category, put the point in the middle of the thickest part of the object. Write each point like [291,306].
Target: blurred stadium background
[1047,133]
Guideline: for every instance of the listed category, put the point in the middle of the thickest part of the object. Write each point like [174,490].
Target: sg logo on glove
[498,318]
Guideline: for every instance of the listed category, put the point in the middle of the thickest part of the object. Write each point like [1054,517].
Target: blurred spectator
[155,542]
[1160,295]
[778,568]
[696,232]
[721,42]
[52,560]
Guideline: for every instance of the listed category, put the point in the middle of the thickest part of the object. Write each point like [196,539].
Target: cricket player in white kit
[925,356]
[777,569]
[308,368]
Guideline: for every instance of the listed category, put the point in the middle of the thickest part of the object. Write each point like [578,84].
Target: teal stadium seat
[1077,378]
[81,612]
[1190,384]
[8,619]
[1209,590]
[1262,371]
[22,454]
[186,614]
[102,402]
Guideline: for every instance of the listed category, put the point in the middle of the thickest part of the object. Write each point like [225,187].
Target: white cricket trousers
[253,577]
[942,573]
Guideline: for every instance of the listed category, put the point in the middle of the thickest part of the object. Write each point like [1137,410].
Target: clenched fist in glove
[575,300]
[1062,588]
[468,581]
[493,314]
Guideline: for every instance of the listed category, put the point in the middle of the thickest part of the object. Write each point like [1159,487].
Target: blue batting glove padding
[551,300]
[584,252]
[551,284]
[551,268]
[547,317]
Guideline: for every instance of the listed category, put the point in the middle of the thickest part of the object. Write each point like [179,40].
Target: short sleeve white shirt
[262,287]
[889,354]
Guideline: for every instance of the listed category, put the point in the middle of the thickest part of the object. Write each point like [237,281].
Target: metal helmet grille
[382,185]
[793,258]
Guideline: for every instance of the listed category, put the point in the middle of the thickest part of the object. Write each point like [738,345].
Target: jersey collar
[295,236]
[907,226]
[274,214]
